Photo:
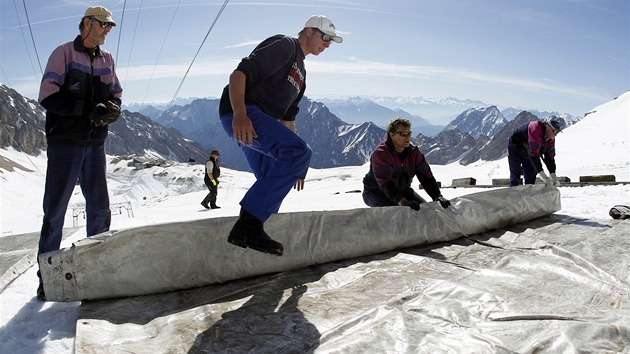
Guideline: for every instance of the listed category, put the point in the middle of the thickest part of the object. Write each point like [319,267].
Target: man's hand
[215,182]
[413,204]
[104,114]
[444,202]
[554,180]
[545,178]
[98,113]
[243,129]
[113,112]
[299,185]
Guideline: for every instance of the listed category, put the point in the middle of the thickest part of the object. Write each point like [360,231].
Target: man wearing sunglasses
[82,95]
[527,145]
[393,164]
[258,109]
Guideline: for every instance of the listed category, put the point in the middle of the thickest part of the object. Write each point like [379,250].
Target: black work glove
[444,202]
[113,112]
[105,114]
[98,113]
[413,204]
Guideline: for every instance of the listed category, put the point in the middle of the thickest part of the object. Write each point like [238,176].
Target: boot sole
[243,244]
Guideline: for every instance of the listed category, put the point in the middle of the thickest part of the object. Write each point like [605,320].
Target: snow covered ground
[597,145]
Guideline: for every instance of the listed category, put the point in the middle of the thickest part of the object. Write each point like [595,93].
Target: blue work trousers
[520,165]
[278,157]
[67,165]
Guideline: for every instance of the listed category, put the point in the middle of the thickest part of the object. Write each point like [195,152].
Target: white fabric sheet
[179,256]
[552,285]
[167,257]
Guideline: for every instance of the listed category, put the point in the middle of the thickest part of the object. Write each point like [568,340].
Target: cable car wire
[195,57]
[160,53]
[32,38]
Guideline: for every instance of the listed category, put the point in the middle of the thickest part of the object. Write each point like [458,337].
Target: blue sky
[567,56]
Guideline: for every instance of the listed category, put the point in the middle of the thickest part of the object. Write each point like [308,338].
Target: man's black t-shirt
[276,78]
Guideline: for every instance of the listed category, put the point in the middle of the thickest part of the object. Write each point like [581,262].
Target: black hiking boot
[205,205]
[248,232]
[41,296]
[215,207]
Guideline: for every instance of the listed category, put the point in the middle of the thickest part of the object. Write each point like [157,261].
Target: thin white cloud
[367,69]
[177,71]
[244,44]
[619,60]
[452,75]
[339,5]
[529,15]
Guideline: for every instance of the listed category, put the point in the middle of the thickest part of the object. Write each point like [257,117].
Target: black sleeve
[392,192]
[72,99]
[269,57]
[535,160]
[430,185]
[550,162]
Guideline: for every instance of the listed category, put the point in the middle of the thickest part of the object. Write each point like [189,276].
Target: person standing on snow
[211,180]
[82,95]
[393,164]
[258,109]
[527,145]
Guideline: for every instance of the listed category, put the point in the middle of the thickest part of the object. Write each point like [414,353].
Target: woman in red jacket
[393,165]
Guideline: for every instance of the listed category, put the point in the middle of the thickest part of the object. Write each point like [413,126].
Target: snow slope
[596,145]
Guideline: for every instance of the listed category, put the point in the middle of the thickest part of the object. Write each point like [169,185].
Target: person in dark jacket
[211,180]
[82,95]
[258,110]
[527,145]
[393,164]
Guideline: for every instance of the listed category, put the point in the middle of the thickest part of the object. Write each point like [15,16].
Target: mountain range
[23,122]
[189,131]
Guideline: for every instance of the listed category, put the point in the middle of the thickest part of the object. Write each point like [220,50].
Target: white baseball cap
[325,25]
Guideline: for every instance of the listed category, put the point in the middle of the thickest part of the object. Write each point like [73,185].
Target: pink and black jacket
[74,82]
[529,141]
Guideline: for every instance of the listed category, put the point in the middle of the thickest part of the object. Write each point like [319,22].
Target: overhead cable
[160,53]
[195,57]
[191,63]
[122,18]
[133,39]
[32,38]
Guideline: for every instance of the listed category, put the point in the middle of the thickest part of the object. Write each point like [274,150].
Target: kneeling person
[393,164]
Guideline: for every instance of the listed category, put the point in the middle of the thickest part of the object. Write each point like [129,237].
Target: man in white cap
[258,109]
[82,95]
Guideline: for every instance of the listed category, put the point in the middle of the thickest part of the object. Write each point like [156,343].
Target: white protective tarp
[552,285]
[176,256]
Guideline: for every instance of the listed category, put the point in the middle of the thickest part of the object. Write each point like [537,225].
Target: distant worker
[82,95]
[393,164]
[527,144]
[211,179]
[258,109]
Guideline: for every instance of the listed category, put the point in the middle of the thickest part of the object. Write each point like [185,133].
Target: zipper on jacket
[89,141]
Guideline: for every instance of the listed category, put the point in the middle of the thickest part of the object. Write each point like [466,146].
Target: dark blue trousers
[520,165]
[67,165]
[211,198]
[278,158]
[374,198]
